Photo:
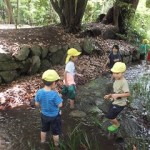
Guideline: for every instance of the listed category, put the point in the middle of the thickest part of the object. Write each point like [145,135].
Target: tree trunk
[70,13]
[17,16]
[10,12]
[120,14]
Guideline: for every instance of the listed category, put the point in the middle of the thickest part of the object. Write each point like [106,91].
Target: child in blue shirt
[50,102]
[113,57]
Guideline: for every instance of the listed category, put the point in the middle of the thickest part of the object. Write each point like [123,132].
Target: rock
[77,113]
[9,65]
[91,32]
[45,64]
[127,59]
[22,53]
[9,76]
[109,34]
[36,62]
[44,52]
[5,57]
[76,46]
[58,57]
[54,49]
[26,66]
[36,50]
[95,109]
[88,46]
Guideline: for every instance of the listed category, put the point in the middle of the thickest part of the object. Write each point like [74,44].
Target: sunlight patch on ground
[12,26]
[13,97]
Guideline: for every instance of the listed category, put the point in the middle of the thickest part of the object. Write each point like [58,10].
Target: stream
[20,126]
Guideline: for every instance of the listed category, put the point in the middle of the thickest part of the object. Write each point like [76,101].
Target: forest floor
[91,66]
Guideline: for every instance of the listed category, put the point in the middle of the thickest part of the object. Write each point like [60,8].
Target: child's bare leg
[71,103]
[56,140]
[43,137]
[115,122]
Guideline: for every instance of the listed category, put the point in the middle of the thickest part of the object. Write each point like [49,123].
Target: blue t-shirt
[49,101]
[113,58]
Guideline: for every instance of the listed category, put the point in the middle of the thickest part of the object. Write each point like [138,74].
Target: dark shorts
[142,56]
[69,91]
[114,110]
[51,123]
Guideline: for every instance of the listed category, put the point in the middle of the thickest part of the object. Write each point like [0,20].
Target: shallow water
[20,127]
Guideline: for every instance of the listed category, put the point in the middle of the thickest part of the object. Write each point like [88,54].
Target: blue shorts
[51,123]
[114,110]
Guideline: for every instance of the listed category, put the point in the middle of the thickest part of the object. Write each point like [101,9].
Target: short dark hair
[47,83]
[116,47]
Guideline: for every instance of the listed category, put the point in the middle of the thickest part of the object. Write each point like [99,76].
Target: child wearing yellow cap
[119,97]
[69,74]
[144,49]
[49,101]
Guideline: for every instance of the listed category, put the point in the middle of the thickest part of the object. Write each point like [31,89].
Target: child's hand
[107,96]
[80,75]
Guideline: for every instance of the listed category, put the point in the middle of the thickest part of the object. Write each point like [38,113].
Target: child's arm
[78,74]
[65,78]
[116,96]
[37,104]
[60,105]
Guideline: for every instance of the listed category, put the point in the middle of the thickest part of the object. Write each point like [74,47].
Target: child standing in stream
[69,88]
[119,97]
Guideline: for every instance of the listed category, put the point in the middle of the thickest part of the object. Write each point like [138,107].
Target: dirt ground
[91,66]
[11,38]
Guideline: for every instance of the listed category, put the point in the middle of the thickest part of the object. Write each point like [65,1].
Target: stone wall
[33,59]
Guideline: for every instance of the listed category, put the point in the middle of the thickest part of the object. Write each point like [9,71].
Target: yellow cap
[50,75]
[72,52]
[145,41]
[118,67]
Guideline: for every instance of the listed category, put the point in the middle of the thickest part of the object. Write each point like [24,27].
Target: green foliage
[148,3]
[140,89]
[94,8]
[34,12]
[139,27]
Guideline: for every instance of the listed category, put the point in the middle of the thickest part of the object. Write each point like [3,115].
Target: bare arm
[65,78]
[37,104]
[115,96]
[78,74]
[60,105]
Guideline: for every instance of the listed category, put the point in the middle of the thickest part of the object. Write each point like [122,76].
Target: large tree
[121,13]
[9,12]
[70,13]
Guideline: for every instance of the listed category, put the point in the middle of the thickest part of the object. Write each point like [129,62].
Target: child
[119,98]
[143,49]
[113,57]
[50,102]
[70,72]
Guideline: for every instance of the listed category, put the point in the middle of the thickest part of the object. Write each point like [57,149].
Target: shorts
[69,91]
[51,123]
[142,56]
[114,110]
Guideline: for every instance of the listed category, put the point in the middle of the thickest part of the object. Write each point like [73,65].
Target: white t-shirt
[70,70]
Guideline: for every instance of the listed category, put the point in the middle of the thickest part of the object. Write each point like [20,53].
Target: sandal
[113,128]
